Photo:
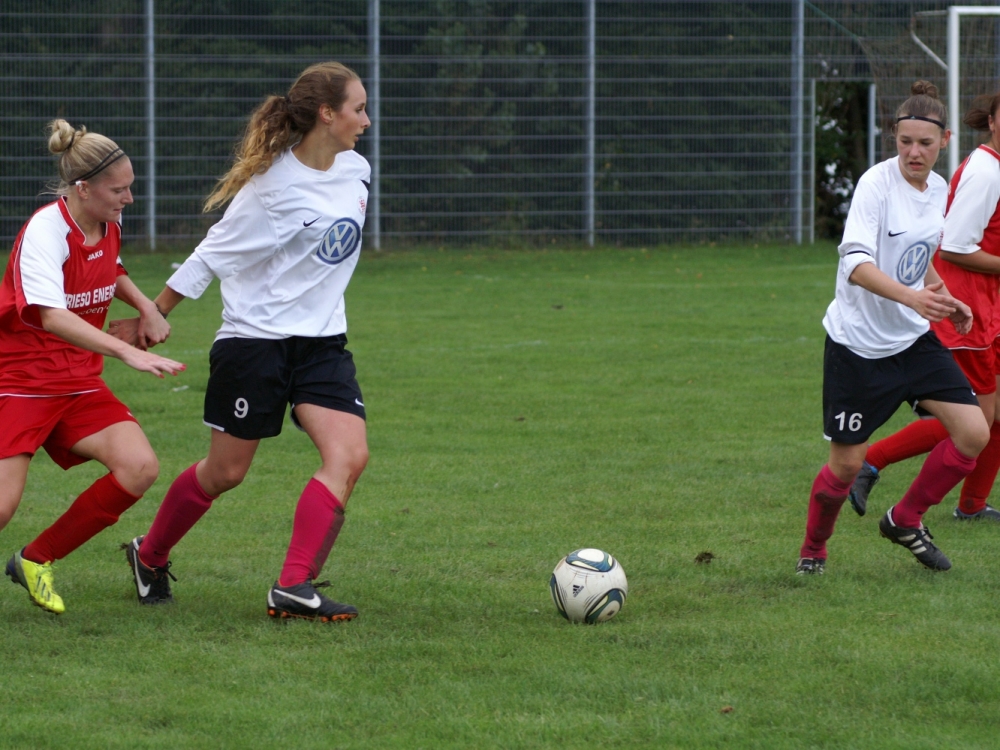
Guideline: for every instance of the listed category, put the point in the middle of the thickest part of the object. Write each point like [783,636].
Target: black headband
[113,156]
[918,117]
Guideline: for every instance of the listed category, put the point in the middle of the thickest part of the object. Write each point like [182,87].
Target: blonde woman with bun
[880,351]
[284,253]
[63,272]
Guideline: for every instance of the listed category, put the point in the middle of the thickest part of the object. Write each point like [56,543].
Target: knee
[975,440]
[358,460]
[222,478]
[846,469]
[138,473]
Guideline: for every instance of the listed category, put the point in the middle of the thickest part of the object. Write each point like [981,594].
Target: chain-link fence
[629,121]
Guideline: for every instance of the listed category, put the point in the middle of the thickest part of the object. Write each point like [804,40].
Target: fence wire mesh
[629,121]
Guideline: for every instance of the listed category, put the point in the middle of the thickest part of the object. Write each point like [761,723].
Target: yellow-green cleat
[37,578]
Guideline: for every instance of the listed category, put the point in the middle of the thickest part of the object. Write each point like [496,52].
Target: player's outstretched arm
[930,302]
[70,327]
[128,329]
[153,328]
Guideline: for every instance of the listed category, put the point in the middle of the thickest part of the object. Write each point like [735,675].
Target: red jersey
[51,266]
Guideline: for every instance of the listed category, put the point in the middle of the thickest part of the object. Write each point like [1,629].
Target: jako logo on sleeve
[340,242]
[913,265]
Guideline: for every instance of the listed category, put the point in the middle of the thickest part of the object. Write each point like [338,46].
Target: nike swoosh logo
[313,603]
[358,403]
[310,223]
[898,233]
[143,590]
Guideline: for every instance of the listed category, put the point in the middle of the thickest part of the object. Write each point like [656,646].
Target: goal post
[955,13]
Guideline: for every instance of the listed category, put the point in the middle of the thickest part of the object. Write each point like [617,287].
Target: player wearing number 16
[880,350]
[284,252]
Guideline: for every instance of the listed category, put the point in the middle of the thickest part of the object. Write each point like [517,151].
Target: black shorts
[860,395]
[251,381]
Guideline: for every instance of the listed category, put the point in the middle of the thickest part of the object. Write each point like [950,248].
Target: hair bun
[62,135]
[924,88]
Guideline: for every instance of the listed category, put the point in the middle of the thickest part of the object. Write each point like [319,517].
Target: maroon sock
[828,495]
[943,469]
[318,518]
[98,507]
[979,483]
[184,504]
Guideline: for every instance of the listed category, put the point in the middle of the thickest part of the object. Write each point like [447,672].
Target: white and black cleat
[152,585]
[918,541]
[305,602]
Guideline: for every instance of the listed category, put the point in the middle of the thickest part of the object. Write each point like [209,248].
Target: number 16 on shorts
[853,422]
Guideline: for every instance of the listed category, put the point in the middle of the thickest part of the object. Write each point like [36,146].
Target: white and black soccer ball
[588,585]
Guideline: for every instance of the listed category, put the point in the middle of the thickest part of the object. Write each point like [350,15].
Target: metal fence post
[798,72]
[151,123]
[591,114]
[872,124]
[812,161]
[374,99]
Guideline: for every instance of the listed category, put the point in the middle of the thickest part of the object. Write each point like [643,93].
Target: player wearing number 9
[284,252]
[880,351]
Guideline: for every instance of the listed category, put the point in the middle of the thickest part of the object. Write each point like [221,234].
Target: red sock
[944,468]
[98,507]
[979,483]
[915,439]
[318,518]
[827,497]
[184,504]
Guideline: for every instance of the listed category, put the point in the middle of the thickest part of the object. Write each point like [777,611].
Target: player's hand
[153,363]
[126,330]
[962,318]
[153,330]
[930,304]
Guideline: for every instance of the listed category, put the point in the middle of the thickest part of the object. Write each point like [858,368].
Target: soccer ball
[588,585]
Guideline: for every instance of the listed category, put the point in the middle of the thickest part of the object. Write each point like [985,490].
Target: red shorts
[981,367]
[57,423]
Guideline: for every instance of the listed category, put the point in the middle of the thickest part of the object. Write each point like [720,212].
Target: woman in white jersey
[968,261]
[284,252]
[880,351]
[64,271]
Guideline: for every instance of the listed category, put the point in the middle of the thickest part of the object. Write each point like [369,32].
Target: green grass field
[657,404]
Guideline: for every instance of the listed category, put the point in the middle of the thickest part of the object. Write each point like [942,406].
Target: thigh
[248,387]
[118,446]
[227,463]
[13,475]
[337,435]
[87,415]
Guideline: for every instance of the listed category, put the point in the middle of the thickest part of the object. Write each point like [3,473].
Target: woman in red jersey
[61,277]
[968,261]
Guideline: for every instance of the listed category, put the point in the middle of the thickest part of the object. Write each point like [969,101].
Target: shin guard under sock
[944,468]
[184,504]
[915,439]
[318,518]
[98,507]
[827,497]
[978,485]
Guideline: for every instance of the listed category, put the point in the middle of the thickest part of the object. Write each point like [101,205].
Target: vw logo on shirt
[340,241]
[913,265]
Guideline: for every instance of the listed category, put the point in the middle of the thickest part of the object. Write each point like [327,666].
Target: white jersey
[898,228]
[285,250]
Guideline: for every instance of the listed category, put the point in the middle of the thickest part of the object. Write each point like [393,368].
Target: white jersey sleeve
[860,241]
[43,252]
[973,205]
[242,238]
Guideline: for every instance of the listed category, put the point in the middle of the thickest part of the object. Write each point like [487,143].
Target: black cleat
[810,566]
[151,584]
[989,513]
[866,479]
[305,602]
[918,541]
